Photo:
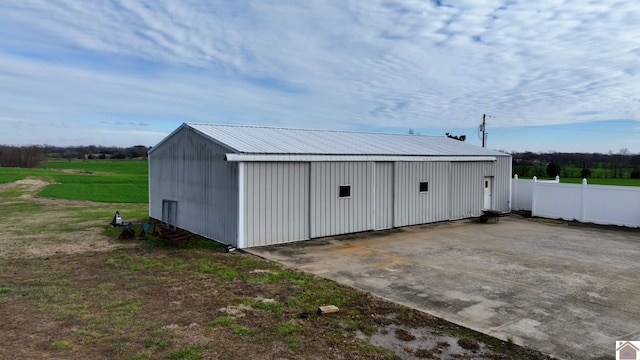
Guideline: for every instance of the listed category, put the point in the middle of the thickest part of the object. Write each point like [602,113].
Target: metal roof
[283,141]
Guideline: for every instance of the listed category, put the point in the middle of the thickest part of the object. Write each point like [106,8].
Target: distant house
[627,351]
[252,186]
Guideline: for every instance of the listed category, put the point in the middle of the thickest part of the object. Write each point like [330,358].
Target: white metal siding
[190,169]
[289,201]
[331,215]
[502,184]
[163,177]
[466,191]
[384,195]
[413,207]
[277,203]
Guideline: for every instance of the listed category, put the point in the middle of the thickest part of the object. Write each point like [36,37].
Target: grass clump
[289,328]
[290,331]
[210,266]
[61,345]
[221,321]
[260,303]
[242,330]
[230,322]
[141,356]
[193,352]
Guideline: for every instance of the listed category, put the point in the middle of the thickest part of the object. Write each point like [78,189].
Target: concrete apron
[569,291]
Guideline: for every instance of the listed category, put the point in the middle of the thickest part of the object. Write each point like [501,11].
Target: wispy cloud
[366,65]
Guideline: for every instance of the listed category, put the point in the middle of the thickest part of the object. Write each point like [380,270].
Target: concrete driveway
[570,291]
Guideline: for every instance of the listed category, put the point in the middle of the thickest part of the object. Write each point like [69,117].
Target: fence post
[583,206]
[533,196]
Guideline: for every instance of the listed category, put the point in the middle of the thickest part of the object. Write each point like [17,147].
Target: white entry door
[488,186]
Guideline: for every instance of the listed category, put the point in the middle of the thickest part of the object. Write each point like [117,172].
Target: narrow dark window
[424,186]
[345,191]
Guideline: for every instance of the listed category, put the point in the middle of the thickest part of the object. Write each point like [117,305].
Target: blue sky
[553,75]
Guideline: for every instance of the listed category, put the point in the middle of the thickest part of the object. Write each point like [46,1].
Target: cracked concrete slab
[557,288]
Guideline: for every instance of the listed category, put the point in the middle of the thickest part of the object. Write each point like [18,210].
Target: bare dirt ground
[70,290]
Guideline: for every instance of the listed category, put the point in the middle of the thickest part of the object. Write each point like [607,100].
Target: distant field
[116,181]
[600,174]
[595,181]
[602,181]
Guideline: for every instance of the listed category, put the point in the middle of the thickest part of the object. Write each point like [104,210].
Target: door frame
[487,192]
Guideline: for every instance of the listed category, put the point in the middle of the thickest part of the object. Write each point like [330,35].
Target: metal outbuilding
[251,186]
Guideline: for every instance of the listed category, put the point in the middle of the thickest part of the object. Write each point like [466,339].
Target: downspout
[240,240]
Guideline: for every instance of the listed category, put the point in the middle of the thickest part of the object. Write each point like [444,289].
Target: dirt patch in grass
[29,185]
[79,172]
[62,298]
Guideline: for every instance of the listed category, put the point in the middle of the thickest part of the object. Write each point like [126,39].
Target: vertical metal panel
[331,215]
[502,184]
[413,207]
[277,202]
[466,191]
[191,170]
[384,195]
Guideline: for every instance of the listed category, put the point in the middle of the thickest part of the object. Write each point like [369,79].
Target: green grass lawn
[117,181]
[594,181]
[602,181]
[133,167]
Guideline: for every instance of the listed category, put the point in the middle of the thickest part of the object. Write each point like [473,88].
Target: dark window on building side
[345,191]
[424,186]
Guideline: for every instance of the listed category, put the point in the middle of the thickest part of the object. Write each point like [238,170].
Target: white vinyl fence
[599,204]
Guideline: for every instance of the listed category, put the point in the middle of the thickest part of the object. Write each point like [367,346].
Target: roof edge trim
[167,138]
[306,158]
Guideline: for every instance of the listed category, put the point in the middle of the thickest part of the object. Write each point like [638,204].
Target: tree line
[25,157]
[526,164]
[619,165]
[32,156]
[96,152]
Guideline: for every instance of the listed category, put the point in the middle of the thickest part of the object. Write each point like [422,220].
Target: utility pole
[484,130]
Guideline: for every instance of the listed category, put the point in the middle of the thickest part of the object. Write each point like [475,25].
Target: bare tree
[26,157]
